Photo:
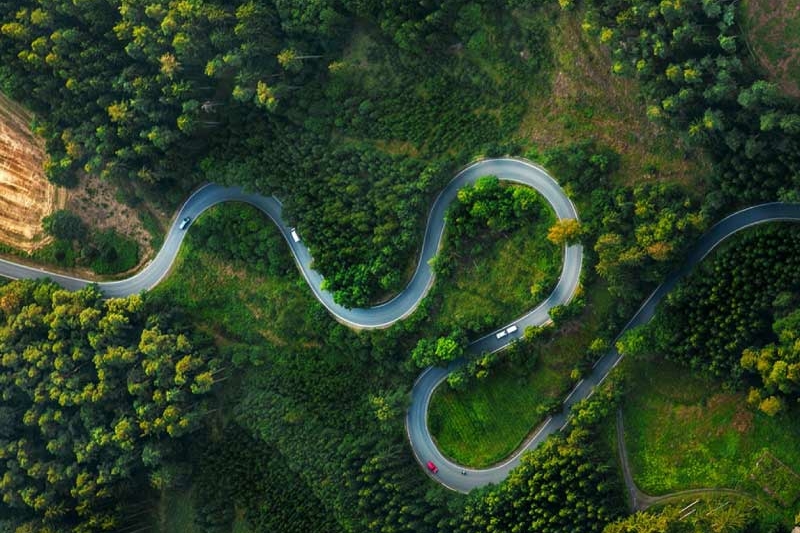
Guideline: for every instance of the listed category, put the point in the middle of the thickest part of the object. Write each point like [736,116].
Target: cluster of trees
[777,364]
[698,77]
[237,472]
[726,305]
[644,231]
[103,74]
[482,213]
[713,517]
[253,87]
[93,393]
[428,352]
[105,252]
[635,235]
[240,232]
[567,484]
[490,205]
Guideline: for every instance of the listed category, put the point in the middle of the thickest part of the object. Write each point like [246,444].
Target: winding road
[450,474]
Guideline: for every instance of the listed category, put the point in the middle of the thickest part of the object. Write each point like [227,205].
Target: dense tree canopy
[92,392]
[697,75]
[778,366]
[726,305]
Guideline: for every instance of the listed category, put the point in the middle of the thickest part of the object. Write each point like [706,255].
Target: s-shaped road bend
[514,170]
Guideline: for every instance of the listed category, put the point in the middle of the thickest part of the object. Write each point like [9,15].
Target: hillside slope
[25,194]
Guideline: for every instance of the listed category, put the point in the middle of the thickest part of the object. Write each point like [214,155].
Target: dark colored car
[432,467]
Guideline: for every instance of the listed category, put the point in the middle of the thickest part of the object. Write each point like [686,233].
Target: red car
[432,467]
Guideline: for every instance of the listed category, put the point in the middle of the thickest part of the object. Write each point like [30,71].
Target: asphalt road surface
[451,475]
[375,317]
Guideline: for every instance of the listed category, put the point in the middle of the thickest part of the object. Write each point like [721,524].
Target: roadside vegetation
[484,422]
[355,113]
[495,262]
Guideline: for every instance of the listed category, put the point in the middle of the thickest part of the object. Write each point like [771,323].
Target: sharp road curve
[451,475]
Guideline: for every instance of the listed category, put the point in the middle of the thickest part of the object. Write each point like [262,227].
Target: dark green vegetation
[496,262]
[355,113]
[105,252]
[484,420]
[697,77]
[246,477]
[242,234]
[94,394]
[568,480]
[728,304]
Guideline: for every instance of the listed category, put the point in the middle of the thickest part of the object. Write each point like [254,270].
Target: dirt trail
[25,194]
[640,501]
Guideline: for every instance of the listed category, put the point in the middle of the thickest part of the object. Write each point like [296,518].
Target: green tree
[63,224]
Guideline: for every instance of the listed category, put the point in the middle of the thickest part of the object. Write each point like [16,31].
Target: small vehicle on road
[432,467]
[185,222]
[501,334]
[511,329]
[295,236]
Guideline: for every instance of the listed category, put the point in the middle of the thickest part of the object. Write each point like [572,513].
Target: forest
[228,399]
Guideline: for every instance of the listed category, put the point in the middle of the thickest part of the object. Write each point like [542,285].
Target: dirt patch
[743,420]
[96,202]
[688,412]
[25,194]
[772,32]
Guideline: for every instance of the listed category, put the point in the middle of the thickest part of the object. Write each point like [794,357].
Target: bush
[111,252]
[66,225]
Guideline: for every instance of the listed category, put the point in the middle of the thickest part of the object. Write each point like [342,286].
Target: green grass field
[684,432]
[239,304]
[484,423]
[494,286]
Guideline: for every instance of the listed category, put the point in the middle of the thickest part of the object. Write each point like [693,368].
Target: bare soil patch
[96,202]
[26,196]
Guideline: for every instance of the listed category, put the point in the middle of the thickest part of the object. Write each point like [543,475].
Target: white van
[295,236]
[501,334]
[511,329]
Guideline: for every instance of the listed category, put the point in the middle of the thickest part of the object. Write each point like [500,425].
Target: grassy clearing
[485,423]
[238,304]
[492,283]
[684,432]
[772,33]
[584,100]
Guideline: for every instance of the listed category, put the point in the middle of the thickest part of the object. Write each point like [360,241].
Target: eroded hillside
[25,194]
